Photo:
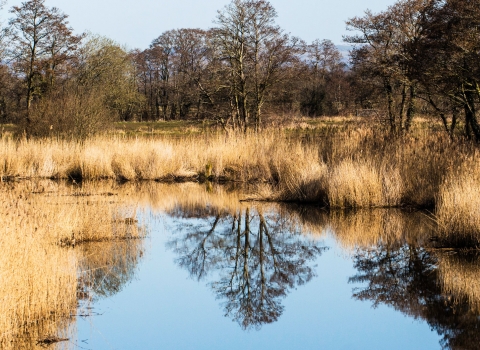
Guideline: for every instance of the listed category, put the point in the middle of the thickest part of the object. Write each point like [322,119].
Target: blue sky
[136,23]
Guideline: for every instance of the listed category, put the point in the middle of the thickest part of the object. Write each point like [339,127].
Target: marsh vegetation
[256,147]
[337,167]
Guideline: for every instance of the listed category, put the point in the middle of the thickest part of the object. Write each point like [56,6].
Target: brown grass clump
[300,177]
[458,210]
[340,166]
[360,184]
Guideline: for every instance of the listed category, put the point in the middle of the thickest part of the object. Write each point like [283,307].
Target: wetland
[103,265]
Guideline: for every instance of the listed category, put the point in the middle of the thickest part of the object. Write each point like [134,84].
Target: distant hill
[344,50]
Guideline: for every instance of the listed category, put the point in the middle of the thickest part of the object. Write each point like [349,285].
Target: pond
[216,272]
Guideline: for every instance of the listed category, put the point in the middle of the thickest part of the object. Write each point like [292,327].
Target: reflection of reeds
[368,228]
[460,278]
[105,267]
[165,197]
[38,277]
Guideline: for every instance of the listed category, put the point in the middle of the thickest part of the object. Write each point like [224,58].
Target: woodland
[417,57]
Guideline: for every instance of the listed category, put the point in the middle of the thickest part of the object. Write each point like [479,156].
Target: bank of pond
[342,168]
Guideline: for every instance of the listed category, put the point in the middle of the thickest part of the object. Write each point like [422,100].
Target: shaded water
[216,273]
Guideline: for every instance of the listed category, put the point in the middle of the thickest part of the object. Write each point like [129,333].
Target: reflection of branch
[246,233]
[202,245]
[270,242]
[409,279]
[262,268]
[237,253]
[202,252]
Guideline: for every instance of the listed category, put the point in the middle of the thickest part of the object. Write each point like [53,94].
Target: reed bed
[342,167]
[38,280]
[458,209]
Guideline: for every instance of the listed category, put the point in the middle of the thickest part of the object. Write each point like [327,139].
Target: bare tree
[41,38]
[447,61]
[382,54]
[323,62]
[256,52]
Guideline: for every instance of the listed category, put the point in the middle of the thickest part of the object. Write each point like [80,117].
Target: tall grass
[341,167]
[38,281]
[347,168]
[458,209]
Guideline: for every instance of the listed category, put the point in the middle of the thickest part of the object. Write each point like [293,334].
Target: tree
[384,57]
[447,59]
[100,88]
[42,41]
[4,32]
[256,53]
[324,63]
[107,70]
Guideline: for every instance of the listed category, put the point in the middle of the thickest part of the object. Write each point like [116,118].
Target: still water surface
[255,276]
[215,272]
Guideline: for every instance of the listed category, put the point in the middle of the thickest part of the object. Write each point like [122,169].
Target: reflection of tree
[106,267]
[407,278]
[255,260]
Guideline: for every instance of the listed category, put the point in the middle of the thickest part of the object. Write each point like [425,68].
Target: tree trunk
[411,107]
[471,122]
[390,102]
[402,105]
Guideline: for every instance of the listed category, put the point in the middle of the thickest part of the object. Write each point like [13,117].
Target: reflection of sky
[163,308]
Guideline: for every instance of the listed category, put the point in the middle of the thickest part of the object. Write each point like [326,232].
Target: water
[214,273]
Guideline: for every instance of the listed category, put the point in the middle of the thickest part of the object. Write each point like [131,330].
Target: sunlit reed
[458,210]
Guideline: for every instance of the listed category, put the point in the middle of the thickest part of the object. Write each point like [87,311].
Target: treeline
[239,70]
[57,82]
[421,52]
[417,56]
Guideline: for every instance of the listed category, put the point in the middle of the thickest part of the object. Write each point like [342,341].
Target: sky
[135,23]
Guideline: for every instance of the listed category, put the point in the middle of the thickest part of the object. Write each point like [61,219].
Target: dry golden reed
[38,280]
[342,167]
[458,209]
